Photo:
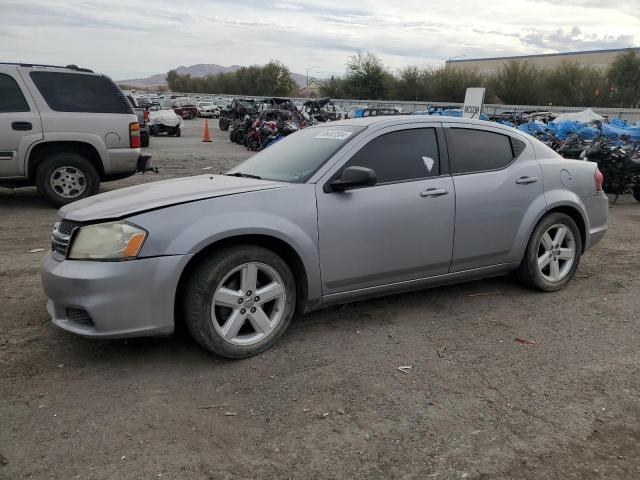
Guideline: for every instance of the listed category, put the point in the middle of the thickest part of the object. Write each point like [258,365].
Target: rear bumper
[598,211]
[121,299]
[122,160]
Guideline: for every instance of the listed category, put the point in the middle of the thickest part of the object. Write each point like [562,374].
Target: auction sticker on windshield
[334,134]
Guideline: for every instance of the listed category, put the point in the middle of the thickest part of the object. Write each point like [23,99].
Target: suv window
[401,155]
[11,97]
[478,150]
[72,92]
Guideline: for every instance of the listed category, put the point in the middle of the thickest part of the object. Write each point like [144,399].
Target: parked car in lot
[165,121]
[65,130]
[331,214]
[187,109]
[143,120]
[208,110]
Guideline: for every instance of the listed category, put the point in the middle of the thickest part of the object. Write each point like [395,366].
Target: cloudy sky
[126,39]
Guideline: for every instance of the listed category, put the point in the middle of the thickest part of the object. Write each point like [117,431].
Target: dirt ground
[329,401]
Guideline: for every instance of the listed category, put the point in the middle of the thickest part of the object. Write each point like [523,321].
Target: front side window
[73,92]
[401,155]
[478,150]
[11,97]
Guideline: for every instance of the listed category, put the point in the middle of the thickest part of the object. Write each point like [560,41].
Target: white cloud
[128,41]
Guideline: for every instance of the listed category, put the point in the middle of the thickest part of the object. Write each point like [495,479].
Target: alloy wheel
[248,304]
[556,253]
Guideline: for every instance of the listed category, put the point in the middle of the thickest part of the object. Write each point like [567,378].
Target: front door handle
[434,192]
[21,126]
[526,180]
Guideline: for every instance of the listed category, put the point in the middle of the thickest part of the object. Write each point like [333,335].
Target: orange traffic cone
[206,137]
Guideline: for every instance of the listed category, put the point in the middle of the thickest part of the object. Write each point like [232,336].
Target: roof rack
[70,67]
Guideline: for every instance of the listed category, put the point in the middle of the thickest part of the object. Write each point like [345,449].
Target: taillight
[599,179]
[134,135]
[145,116]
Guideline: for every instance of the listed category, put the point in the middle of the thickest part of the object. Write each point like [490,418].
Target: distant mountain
[199,70]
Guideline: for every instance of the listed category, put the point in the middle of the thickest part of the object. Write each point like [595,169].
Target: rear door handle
[526,180]
[434,192]
[21,126]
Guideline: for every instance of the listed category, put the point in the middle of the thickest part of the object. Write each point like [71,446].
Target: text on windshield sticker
[334,134]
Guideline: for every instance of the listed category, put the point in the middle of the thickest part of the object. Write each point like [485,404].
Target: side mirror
[353,177]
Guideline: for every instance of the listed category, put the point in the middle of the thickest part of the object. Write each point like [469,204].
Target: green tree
[518,83]
[273,78]
[333,87]
[449,84]
[413,83]
[624,75]
[366,77]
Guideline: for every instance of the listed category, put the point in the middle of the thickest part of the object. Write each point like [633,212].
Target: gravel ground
[329,400]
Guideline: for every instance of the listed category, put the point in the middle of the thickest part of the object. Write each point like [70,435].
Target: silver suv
[64,130]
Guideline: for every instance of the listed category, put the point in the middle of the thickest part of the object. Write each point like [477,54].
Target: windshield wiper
[244,175]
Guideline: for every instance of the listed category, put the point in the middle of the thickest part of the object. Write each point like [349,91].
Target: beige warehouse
[600,59]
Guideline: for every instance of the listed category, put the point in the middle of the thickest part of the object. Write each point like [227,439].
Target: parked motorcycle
[619,164]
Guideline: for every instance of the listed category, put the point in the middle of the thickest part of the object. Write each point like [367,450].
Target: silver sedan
[331,214]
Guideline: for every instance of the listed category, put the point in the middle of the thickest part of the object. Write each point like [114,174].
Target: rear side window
[478,150]
[11,97]
[71,92]
[401,155]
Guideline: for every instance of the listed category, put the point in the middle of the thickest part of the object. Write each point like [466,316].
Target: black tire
[153,130]
[144,139]
[49,168]
[223,123]
[177,132]
[202,284]
[528,272]
[192,115]
[636,193]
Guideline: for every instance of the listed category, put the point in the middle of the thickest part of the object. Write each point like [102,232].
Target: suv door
[397,230]
[20,124]
[498,181]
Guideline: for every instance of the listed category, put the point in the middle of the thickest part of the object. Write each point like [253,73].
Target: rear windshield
[72,92]
[297,157]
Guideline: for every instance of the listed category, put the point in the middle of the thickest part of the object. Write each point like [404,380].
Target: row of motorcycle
[618,158]
[259,124]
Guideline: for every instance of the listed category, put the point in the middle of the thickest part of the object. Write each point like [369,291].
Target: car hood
[150,196]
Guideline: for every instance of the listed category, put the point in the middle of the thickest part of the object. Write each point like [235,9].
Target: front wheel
[239,301]
[553,254]
[636,193]
[66,177]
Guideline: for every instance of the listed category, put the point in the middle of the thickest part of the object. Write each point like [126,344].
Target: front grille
[61,236]
[77,315]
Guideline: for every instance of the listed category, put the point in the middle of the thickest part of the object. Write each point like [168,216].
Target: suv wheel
[239,301]
[66,177]
[553,254]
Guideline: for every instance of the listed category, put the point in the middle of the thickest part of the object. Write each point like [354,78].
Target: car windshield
[297,157]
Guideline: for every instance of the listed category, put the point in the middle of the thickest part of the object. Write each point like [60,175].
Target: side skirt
[418,284]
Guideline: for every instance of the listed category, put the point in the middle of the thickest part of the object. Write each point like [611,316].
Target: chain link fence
[631,115]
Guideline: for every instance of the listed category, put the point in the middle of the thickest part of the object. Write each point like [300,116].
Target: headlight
[107,241]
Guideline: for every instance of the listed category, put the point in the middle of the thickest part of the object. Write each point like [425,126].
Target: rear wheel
[553,254]
[636,192]
[177,132]
[66,177]
[223,123]
[239,301]
[192,115]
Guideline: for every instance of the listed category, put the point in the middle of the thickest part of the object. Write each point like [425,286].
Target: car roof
[73,68]
[382,120]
